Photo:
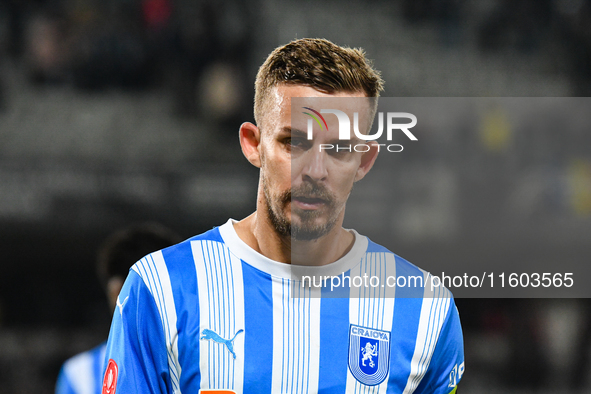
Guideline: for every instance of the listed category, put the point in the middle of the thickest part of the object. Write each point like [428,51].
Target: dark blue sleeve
[136,341]
[447,364]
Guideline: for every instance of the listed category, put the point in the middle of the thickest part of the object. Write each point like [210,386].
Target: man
[83,373]
[224,312]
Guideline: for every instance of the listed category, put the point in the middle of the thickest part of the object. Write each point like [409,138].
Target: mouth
[308,203]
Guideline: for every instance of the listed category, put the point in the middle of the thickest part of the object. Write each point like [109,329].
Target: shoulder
[179,251]
[403,266]
[176,260]
[428,288]
[169,276]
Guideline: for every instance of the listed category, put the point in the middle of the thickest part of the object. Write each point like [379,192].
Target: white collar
[282,270]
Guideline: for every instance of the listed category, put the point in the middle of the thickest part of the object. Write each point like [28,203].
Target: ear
[250,140]
[367,160]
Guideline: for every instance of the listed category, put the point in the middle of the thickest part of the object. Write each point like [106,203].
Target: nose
[315,166]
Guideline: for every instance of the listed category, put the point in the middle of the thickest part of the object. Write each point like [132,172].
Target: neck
[257,232]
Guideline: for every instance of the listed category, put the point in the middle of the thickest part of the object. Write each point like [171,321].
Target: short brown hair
[317,63]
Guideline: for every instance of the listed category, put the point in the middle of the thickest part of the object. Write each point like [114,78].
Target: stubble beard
[309,229]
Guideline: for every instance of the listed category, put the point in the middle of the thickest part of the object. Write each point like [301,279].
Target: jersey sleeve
[136,356]
[447,364]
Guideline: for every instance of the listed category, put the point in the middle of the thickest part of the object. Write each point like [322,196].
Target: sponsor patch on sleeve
[110,379]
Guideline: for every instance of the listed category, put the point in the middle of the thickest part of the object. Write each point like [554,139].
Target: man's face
[305,189]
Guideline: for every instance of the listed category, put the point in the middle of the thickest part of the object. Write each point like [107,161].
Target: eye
[342,151]
[296,143]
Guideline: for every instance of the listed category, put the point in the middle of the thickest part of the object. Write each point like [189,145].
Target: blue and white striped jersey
[83,373]
[213,314]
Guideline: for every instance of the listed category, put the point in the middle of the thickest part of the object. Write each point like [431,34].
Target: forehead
[283,96]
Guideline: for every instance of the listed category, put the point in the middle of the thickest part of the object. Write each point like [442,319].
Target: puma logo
[208,334]
[121,305]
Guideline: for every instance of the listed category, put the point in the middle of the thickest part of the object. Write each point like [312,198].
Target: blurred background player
[82,373]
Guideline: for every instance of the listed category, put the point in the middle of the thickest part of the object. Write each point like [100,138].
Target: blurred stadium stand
[119,111]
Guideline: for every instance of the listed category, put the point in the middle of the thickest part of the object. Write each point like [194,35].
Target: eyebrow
[293,132]
[298,133]
[302,134]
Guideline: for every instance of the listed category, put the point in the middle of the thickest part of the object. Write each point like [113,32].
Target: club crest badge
[369,354]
